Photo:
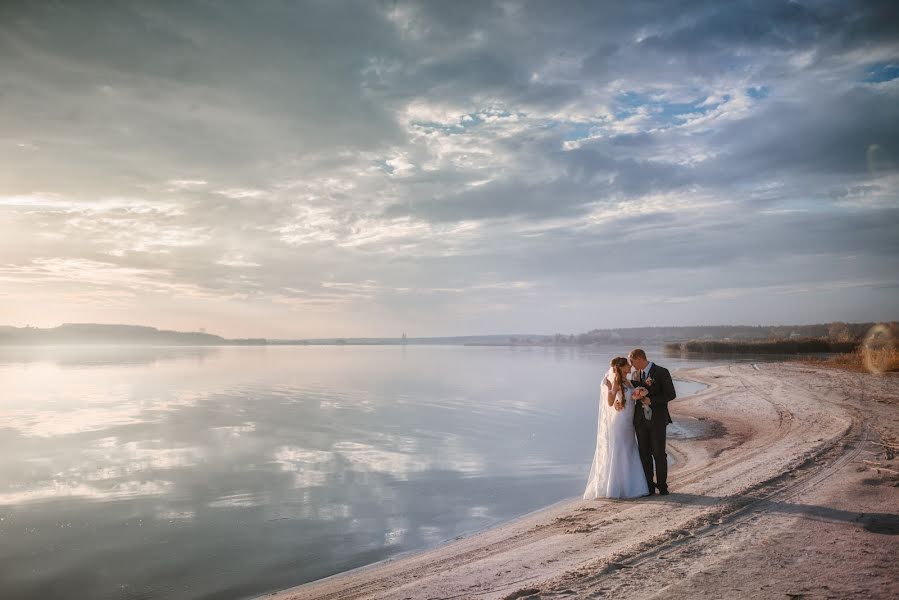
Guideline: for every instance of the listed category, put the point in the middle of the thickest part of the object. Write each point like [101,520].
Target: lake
[230,472]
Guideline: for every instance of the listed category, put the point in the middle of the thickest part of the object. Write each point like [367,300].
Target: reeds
[791,346]
[878,352]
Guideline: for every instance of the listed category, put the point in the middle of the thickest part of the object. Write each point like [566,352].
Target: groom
[651,431]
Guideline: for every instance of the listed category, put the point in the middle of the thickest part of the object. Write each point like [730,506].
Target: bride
[616,471]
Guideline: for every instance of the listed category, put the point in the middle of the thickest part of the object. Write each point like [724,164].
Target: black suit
[651,434]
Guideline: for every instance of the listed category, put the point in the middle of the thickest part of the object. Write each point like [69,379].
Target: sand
[793,492]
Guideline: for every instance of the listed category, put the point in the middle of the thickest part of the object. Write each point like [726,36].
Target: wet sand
[784,486]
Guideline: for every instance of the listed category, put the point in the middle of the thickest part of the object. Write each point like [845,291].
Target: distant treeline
[837,332]
[832,338]
[793,346]
[93,333]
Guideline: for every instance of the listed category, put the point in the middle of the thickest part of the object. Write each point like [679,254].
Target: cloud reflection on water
[56,490]
[327,456]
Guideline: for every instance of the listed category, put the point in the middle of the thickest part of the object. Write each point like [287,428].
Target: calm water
[231,472]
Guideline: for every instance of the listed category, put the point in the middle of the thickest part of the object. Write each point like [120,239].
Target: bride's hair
[617,363]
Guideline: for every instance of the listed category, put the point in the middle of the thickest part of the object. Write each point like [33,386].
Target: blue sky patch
[663,113]
[576,131]
[758,92]
[880,72]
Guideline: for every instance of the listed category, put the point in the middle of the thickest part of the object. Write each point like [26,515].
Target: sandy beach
[784,486]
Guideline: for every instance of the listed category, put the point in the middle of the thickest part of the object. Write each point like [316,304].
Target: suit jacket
[661,392]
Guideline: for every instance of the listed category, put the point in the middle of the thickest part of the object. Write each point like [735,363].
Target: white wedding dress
[616,471]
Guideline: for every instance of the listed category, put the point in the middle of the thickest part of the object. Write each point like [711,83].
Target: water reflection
[104,356]
[233,471]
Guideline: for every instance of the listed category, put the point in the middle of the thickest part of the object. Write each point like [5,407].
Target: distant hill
[95,333]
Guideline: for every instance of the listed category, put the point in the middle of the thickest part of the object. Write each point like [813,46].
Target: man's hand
[640,392]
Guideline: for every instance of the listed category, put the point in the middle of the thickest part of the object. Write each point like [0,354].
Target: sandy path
[779,503]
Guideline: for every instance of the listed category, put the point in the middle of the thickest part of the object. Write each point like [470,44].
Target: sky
[368,168]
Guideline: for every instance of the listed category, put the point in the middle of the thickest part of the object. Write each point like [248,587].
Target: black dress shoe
[664,492]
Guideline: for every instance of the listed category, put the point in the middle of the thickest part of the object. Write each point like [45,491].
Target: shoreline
[774,435]
[676,374]
[545,511]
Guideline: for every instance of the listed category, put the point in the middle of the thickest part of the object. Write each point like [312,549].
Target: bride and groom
[630,440]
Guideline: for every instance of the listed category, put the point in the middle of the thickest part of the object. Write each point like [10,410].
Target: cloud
[353,170]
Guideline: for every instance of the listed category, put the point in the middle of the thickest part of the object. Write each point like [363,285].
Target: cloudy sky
[367,168]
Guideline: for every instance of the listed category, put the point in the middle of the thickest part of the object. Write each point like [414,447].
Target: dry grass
[851,361]
[860,361]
